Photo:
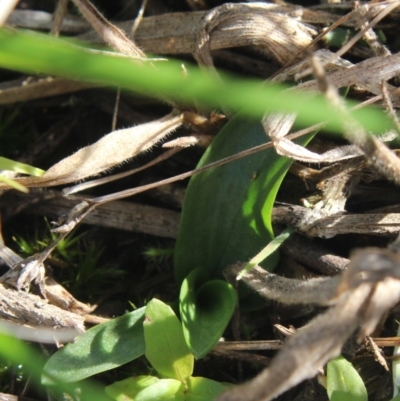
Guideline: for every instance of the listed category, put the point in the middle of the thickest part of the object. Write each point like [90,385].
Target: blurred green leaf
[149,388]
[202,389]
[13,184]
[103,347]
[343,382]
[12,165]
[206,308]
[166,348]
[21,353]
[37,53]
[128,389]
[164,389]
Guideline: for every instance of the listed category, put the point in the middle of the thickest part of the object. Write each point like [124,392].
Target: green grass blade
[267,251]
[12,165]
[35,53]
[14,184]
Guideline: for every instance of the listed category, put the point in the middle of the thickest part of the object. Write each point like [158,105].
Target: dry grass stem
[111,34]
[6,9]
[360,297]
[110,151]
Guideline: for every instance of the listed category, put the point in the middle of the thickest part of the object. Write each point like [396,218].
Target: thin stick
[354,39]
[389,105]
[244,153]
[316,40]
[59,14]
[104,180]
[116,108]
[138,19]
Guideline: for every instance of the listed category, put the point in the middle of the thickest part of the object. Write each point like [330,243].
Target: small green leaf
[12,165]
[150,388]
[128,389]
[268,250]
[101,348]
[202,389]
[206,308]
[166,348]
[343,382]
[164,389]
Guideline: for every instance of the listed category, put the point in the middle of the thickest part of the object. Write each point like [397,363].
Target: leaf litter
[358,298]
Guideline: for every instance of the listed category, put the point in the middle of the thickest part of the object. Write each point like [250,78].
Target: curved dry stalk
[110,33]
[369,287]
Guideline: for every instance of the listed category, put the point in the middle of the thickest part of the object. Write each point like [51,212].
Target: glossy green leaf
[166,348]
[37,53]
[202,389]
[226,215]
[206,308]
[343,382]
[164,389]
[128,389]
[101,348]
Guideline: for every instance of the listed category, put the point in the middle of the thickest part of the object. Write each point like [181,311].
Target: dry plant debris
[275,37]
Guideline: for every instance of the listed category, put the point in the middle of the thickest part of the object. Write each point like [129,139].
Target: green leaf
[21,353]
[14,184]
[150,388]
[164,389]
[202,389]
[166,348]
[38,53]
[12,165]
[268,250]
[128,389]
[101,348]
[226,215]
[206,308]
[343,382]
